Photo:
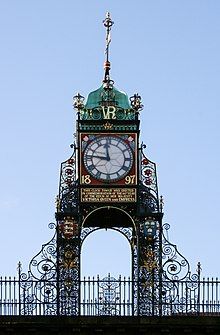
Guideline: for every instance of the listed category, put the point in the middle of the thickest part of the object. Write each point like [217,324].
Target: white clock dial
[108,158]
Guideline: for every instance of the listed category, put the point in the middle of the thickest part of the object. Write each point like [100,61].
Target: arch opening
[104,252]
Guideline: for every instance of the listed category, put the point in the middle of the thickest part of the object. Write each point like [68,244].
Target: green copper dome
[118,98]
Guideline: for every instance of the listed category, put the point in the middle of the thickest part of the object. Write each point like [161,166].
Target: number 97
[130,179]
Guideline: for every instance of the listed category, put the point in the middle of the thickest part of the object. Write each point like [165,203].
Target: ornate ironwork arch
[126,213]
[126,232]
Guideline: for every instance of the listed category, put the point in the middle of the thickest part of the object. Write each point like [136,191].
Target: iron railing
[108,296]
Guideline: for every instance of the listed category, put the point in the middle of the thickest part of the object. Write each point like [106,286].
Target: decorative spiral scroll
[68,192]
[38,286]
[179,286]
[175,265]
[29,304]
[148,174]
[46,291]
[109,295]
[43,265]
[109,283]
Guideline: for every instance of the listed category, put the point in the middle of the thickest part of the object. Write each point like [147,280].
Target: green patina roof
[95,97]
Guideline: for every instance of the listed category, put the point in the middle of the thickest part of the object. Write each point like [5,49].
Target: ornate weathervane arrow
[108,23]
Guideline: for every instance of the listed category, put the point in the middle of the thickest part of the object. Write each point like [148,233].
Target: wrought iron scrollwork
[136,102]
[148,194]
[180,288]
[149,204]
[148,173]
[67,200]
[149,266]
[162,283]
[54,288]
[68,251]
[43,265]
[175,265]
[38,286]
[109,296]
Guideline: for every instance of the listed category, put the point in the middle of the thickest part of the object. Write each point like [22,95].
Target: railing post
[160,267]
[199,278]
[58,277]
[19,287]
[98,294]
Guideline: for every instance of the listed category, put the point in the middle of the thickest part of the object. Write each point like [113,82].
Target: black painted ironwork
[107,296]
[136,102]
[161,281]
[68,241]
[52,285]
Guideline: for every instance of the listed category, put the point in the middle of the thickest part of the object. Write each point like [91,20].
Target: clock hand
[95,156]
[101,157]
[106,146]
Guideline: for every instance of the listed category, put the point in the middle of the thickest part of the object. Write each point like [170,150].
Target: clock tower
[109,183]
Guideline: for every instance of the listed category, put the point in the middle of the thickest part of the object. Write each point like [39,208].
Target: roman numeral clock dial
[108,158]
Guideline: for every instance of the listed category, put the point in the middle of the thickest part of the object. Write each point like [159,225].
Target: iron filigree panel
[180,288]
[38,287]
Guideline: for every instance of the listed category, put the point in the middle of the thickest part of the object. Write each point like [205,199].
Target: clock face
[108,158]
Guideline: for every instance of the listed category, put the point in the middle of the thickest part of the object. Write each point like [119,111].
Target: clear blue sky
[168,52]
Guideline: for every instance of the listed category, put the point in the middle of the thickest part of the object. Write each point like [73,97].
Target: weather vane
[108,23]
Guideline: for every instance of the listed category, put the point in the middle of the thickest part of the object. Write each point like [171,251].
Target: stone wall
[37,325]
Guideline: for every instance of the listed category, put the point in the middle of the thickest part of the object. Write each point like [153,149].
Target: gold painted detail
[149,261]
[108,125]
[108,195]
[68,227]
[69,260]
[58,204]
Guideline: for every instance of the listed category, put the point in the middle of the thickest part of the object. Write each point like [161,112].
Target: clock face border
[129,178]
[108,158]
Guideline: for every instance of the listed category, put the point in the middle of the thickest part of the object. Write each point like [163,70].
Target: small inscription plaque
[108,195]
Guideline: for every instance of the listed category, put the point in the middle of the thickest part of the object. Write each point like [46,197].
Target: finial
[78,100]
[136,102]
[19,268]
[108,23]
[161,203]
[199,270]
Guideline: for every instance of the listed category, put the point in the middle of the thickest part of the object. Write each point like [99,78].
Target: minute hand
[107,152]
[100,157]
